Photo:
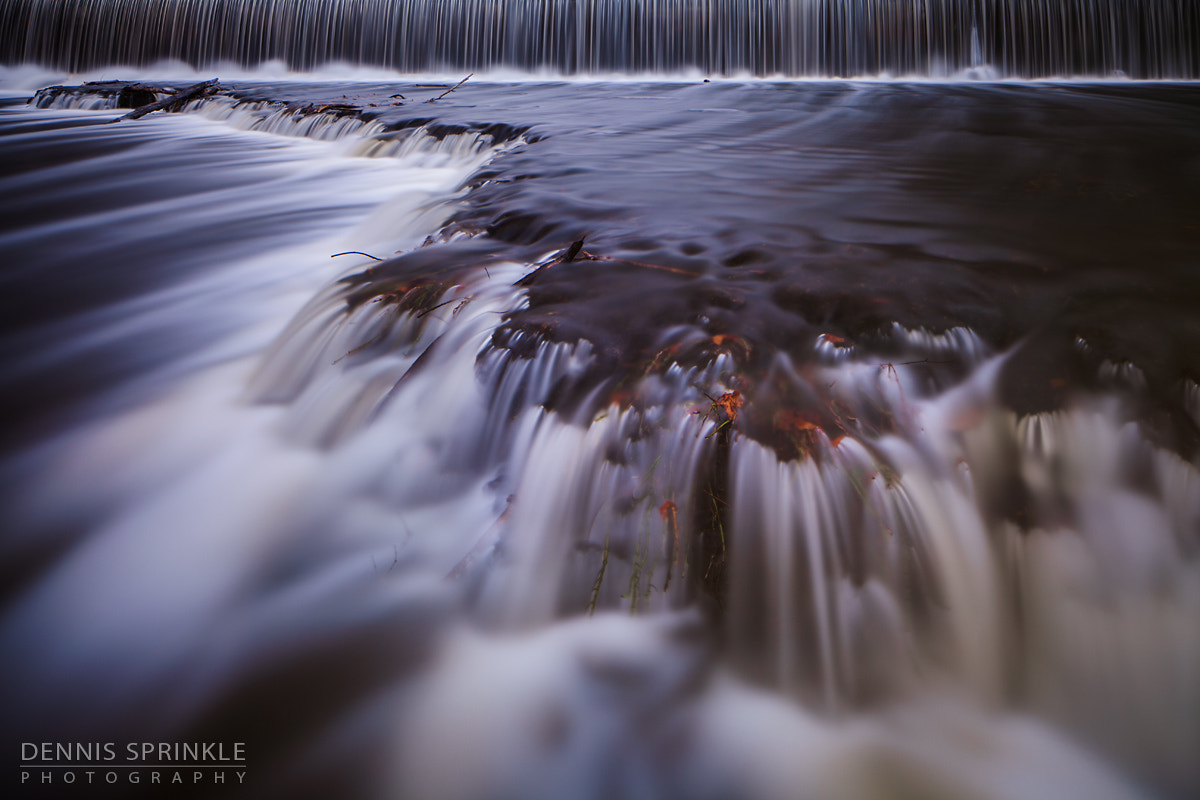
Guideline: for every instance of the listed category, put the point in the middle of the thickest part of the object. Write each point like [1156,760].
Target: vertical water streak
[1019,38]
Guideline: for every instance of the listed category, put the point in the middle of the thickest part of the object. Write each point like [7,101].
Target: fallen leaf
[730,403]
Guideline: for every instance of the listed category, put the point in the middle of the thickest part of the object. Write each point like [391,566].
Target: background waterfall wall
[857,455]
[1014,38]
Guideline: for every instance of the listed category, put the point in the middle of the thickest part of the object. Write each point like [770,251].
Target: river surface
[850,452]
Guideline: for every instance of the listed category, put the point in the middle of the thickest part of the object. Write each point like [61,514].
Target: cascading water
[652,438]
[1026,38]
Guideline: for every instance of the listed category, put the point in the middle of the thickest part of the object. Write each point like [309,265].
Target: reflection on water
[852,455]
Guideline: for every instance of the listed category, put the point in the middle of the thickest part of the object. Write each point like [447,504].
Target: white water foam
[129,598]
[877,573]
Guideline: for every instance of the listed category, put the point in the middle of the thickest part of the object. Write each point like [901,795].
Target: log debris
[174,101]
[451,89]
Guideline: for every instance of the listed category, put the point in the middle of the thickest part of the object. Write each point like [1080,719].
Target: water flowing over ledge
[980,38]
[959,548]
[355,126]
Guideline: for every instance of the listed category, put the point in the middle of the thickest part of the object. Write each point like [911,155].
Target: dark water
[1025,38]
[853,454]
[776,213]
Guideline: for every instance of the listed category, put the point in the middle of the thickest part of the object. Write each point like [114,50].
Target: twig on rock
[451,89]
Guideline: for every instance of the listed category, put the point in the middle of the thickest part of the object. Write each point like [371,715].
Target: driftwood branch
[174,101]
[451,89]
[576,253]
[356,253]
[573,251]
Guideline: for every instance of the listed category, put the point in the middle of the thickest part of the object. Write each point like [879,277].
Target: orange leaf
[667,511]
[731,344]
[730,403]
[790,419]
[622,397]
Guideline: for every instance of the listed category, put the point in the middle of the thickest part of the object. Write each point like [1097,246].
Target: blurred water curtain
[1012,38]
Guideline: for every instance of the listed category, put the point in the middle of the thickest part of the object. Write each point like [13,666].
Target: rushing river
[602,437]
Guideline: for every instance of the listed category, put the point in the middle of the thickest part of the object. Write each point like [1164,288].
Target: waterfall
[1018,38]
[633,438]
